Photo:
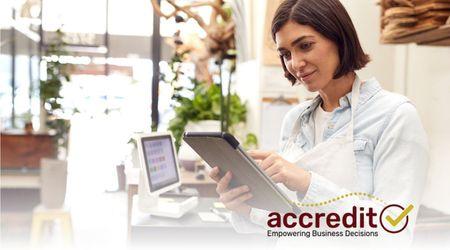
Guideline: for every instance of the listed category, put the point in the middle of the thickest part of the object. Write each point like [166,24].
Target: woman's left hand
[281,171]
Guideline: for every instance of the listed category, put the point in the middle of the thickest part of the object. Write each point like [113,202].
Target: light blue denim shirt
[390,147]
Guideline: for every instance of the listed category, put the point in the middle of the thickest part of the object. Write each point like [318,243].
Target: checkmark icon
[394,222]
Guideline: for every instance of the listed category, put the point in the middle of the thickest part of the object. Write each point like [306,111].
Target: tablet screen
[160,161]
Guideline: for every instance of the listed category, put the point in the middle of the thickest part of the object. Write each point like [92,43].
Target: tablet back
[223,150]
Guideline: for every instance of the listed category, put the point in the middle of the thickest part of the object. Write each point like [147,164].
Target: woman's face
[310,57]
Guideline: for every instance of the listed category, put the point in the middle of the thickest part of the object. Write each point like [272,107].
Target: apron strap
[356,89]
[354,103]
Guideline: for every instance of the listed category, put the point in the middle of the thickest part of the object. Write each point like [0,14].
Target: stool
[42,215]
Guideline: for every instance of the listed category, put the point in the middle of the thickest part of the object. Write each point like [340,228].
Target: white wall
[428,86]
[366,19]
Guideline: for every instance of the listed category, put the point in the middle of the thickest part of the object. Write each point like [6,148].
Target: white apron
[333,158]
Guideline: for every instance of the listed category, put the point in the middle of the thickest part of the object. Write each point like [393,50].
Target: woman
[354,136]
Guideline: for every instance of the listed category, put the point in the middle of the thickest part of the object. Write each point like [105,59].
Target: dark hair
[329,18]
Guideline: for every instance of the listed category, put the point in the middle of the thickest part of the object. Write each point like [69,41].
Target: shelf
[439,36]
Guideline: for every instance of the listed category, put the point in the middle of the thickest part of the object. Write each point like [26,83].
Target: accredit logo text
[357,218]
[354,219]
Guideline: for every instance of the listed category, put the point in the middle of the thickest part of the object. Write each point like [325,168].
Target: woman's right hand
[233,199]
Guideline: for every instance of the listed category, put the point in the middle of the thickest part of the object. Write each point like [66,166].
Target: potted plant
[198,108]
[54,117]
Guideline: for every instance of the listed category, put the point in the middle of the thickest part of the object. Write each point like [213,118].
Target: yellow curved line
[300,204]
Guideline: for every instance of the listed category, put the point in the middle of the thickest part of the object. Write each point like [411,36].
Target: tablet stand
[165,207]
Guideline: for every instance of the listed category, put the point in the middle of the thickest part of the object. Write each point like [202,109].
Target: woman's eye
[306,46]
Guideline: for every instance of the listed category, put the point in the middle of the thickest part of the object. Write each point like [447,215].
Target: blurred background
[78,78]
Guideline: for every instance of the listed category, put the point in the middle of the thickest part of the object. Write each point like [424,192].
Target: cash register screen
[160,161]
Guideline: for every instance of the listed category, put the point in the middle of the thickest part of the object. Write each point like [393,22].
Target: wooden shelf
[439,36]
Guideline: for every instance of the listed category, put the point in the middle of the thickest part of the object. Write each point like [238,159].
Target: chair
[41,215]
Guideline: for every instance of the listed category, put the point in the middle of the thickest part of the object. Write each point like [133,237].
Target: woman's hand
[233,199]
[281,171]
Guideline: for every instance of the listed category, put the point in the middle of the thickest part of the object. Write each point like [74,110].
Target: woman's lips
[307,77]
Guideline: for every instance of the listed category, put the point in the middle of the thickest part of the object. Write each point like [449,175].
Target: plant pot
[53,182]
[186,155]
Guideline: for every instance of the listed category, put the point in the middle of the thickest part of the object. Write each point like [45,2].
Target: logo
[393,219]
[397,224]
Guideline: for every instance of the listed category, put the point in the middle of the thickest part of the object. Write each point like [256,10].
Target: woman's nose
[298,63]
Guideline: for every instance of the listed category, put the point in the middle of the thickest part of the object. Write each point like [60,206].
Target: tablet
[223,150]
